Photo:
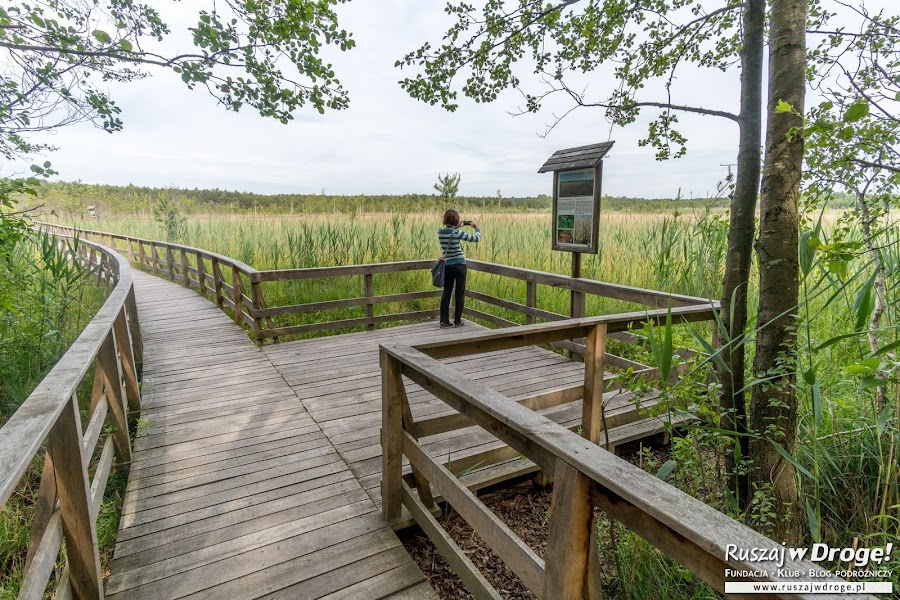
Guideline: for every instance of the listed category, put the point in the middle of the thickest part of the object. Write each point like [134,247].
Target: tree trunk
[742,227]
[773,406]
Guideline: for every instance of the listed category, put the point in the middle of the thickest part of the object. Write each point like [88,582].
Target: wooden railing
[585,475]
[68,500]
[224,280]
[240,288]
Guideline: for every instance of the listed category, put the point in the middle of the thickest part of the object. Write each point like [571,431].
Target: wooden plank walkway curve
[235,491]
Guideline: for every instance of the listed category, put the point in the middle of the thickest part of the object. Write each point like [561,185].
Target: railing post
[391,437]
[594,367]
[112,375]
[201,274]
[185,269]
[155,257]
[73,485]
[237,292]
[129,368]
[134,328]
[530,300]
[568,542]
[259,302]
[141,254]
[217,283]
[170,262]
[370,307]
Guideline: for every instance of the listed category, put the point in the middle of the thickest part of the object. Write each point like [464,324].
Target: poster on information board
[576,210]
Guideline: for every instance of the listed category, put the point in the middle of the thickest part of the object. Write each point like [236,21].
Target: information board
[576,208]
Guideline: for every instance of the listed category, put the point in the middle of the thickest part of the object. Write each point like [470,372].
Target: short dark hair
[451,218]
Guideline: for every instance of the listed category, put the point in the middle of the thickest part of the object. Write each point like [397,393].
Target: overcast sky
[385,142]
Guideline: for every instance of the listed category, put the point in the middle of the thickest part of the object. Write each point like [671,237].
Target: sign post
[577,178]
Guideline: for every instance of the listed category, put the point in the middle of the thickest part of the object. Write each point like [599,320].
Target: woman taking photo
[454,265]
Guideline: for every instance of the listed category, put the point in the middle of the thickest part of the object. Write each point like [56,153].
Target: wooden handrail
[544,333]
[51,414]
[588,286]
[248,306]
[586,475]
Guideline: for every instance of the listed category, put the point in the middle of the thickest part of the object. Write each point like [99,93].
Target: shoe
[446,325]
[458,324]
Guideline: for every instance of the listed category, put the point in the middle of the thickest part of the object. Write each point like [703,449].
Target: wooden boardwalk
[338,379]
[234,491]
[256,472]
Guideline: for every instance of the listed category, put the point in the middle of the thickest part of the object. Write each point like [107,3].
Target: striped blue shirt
[449,238]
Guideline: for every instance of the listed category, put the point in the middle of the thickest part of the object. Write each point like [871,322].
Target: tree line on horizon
[70,200]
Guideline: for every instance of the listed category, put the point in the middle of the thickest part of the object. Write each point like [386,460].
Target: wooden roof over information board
[577,158]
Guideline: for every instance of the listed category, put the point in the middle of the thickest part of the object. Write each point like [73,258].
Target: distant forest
[72,199]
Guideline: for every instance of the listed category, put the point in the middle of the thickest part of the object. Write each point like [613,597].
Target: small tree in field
[447,186]
[167,213]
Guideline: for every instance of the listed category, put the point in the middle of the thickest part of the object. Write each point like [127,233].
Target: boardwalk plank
[231,476]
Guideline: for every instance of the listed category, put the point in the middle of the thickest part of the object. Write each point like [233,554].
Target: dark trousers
[453,275]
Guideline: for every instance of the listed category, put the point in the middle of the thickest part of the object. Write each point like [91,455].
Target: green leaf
[857,111]
[807,252]
[813,522]
[791,459]
[126,45]
[101,36]
[887,348]
[838,267]
[783,107]
[871,363]
[881,423]
[857,369]
[666,469]
[867,383]
[827,105]
[864,305]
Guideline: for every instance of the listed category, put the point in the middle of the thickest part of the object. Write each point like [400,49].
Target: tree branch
[875,165]
[667,105]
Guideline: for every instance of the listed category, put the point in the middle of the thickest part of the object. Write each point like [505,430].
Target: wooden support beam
[129,368]
[112,375]
[64,445]
[44,506]
[184,269]
[370,306]
[217,283]
[237,295]
[134,328]
[141,254]
[509,547]
[571,518]
[530,300]
[201,274]
[422,484]
[391,437]
[170,262]
[446,547]
[594,371]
